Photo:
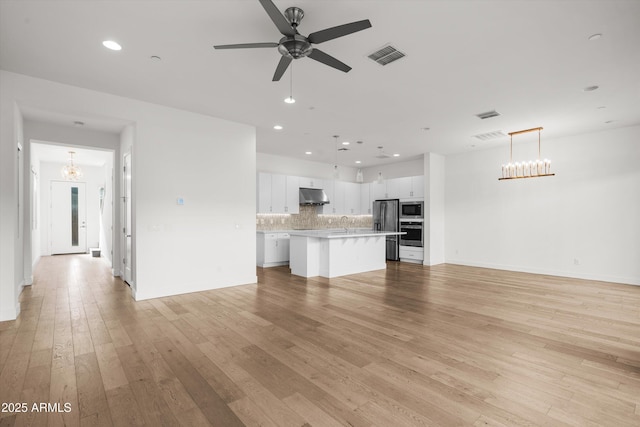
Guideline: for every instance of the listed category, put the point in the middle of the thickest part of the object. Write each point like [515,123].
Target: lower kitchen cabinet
[411,254]
[272,249]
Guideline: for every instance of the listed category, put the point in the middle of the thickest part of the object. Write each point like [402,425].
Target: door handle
[128,235]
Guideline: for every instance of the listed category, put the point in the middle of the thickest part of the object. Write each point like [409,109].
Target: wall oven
[414,233]
[411,210]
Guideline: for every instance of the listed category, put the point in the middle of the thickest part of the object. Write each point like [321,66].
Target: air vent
[386,55]
[488,114]
[490,135]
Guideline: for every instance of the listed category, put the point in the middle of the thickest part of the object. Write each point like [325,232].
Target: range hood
[313,196]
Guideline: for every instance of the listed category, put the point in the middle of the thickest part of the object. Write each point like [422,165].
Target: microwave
[411,210]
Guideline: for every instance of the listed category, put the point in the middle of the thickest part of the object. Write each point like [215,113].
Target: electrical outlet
[576,261]
[456,252]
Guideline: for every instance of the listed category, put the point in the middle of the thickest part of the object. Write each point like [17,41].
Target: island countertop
[342,234]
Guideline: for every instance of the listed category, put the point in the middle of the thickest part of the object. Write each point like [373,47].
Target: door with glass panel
[68,218]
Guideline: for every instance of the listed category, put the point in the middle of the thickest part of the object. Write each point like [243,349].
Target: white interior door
[68,217]
[127,218]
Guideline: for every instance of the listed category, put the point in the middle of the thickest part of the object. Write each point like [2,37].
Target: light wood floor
[446,345]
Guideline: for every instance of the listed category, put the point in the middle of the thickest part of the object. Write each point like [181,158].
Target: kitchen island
[331,253]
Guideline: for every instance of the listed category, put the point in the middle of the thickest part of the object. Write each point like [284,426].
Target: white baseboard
[205,286]
[28,281]
[550,272]
[10,314]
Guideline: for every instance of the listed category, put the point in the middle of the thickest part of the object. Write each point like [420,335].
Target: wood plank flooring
[441,346]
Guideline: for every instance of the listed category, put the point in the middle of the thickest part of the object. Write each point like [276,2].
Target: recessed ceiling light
[110,44]
[277,127]
[308,152]
[602,107]
[155,58]
[590,88]
[609,121]
[358,161]
[290,100]
[396,155]
[78,123]
[346,143]
[595,36]
[425,129]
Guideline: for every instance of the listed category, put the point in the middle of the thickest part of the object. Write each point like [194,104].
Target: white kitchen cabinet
[263,193]
[277,193]
[272,249]
[351,204]
[366,202]
[417,186]
[292,204]
[379,190]
[310,182]
[335,193]
[411,254]
[395,187]
[410,187]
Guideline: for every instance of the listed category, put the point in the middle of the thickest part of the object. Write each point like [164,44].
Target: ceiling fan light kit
[532,169]
[294,45]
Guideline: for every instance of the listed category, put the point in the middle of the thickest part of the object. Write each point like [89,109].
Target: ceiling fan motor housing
[294,15]
[294,47]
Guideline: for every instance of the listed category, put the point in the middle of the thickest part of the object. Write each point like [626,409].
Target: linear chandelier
[530,169]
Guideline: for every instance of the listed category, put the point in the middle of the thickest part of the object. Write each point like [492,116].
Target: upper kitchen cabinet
[379,190]
[366,201]
[409,187]
[351,204]
[292,192]
[277,193]
[305,182]
[335,193]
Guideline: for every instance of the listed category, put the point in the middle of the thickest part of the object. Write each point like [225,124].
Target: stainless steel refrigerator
[386,218]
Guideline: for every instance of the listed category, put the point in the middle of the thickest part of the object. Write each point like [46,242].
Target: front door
[68,218]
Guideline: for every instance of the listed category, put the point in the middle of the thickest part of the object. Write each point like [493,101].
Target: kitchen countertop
[342,234]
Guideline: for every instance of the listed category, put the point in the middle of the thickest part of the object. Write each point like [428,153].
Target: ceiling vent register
[490,135]
[386,55]
[488,114]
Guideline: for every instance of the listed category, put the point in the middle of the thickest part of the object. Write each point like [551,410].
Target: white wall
[588,212]
[411,167]
[434,200]
[289,166]
[207,243]
[94,178]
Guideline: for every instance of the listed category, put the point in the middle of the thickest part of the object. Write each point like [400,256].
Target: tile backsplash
[309,219]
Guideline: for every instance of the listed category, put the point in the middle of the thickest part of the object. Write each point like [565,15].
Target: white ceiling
[529,60]
[47,152]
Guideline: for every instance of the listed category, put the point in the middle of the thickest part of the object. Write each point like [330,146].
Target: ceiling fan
[294,45]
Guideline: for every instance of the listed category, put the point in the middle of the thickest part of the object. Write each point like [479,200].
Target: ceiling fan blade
[329,60]
[281,68]
[339,31]
[245,45]
[278,18]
